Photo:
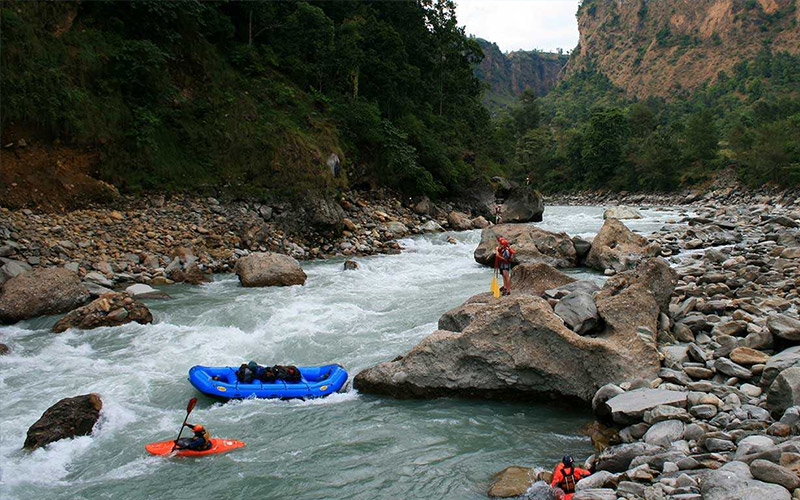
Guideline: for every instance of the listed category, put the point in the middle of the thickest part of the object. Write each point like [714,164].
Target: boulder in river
[459,221]
[111,309]
[269,269]
[68,418]
[512,481]
[523,204]
[39,292]
[141,291]
[516,345]
[530,243]
[621,212]
[617,247]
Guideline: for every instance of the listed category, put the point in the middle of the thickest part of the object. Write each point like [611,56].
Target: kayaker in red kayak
[201,440]
[567,475]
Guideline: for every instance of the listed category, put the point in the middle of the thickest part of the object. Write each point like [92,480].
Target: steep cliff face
[508,75]
[659,47]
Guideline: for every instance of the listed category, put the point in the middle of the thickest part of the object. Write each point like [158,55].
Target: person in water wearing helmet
[201,440]
[567,475]
[502,261]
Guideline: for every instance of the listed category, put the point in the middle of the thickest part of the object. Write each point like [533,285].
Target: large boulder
[734,481]
[523,204]
[68,418]
[459,221]
[535,278]
[629,407]
[779,362]
[269,269]
[621,212]
[40,292]
[110,309]
[578,311]
[513,481]
[785,327]
[530,243]
[324,214]
[617,247]
[517,345]
[784,391]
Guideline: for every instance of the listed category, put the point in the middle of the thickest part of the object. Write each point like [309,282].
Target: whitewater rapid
[346,446]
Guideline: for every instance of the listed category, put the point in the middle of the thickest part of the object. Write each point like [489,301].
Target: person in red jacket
[502,261]
[567,475]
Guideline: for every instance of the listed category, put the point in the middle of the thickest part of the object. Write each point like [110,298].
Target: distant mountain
[508,75]
[666,48]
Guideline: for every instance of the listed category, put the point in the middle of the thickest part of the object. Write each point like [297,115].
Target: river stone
[431,227]
[111,309]
[459,221]
[142,291]
[397,229]
[733,481]
[748,356]
[784,391]
[40,292]
[578,311]
[269,269]
[784,326]
[629,408]
[523,204]
[787,358]
[530,243]
[772,473]
[599,406]
[617,247]
[513,481]
[728,367]
[664,433]
[535,278]
[4,349]
[597,480]
[596,494]
[704,412]
[663,412]
[621,212]
[68,418]
[619,458]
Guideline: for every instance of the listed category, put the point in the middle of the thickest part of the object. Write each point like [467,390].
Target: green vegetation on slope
[251,96]
[586,134]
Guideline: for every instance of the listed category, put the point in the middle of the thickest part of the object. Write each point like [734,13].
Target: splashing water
[346,446]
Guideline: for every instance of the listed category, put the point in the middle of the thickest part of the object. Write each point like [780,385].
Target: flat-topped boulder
[617,247]
[269,269]
[629,407]
[523,204]
[516,346]
[530,243]
[40,292]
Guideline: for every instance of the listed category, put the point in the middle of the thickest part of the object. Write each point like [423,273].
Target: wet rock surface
[531,245]
[68,418]
[269,269]
[40,292]
[111,309]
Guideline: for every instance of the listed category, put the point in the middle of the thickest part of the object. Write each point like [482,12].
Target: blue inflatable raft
[221,382]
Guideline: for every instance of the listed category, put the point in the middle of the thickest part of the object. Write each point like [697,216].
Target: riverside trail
[346,446]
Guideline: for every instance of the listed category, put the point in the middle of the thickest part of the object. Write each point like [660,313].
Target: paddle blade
[191,404]
[495,287]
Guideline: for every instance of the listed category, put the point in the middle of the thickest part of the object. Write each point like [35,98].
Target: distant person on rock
[201,440]
[502,261]
[498,212]
[566,476]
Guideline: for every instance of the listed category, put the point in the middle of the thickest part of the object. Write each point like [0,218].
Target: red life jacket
[567,480]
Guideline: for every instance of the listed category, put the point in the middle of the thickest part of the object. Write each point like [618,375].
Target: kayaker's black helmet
[568,461]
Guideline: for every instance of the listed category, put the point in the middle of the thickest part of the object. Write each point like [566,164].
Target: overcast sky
[521,24]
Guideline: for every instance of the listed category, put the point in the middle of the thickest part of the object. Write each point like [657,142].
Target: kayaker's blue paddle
[189,409]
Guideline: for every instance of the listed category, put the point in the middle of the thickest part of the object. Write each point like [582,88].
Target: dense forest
[255,97]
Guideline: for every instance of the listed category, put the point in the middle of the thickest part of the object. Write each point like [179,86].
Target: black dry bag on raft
[287,373]
[244,374]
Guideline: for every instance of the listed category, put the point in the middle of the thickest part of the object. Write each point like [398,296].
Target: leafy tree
[604,139]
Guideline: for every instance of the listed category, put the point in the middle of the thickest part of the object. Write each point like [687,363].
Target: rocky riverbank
[718,416]
[138,240]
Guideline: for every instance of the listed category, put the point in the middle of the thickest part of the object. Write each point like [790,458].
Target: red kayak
[217,446]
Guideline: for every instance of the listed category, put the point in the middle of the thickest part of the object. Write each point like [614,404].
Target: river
[348,446]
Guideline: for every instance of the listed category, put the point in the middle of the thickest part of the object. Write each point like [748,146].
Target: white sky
[521,24]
